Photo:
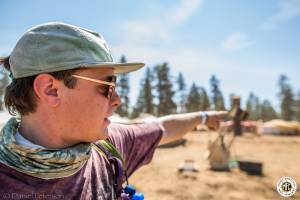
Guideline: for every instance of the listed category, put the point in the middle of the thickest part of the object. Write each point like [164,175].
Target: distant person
[238,115]
[62,145]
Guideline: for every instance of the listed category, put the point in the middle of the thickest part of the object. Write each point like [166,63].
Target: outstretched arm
[177,125]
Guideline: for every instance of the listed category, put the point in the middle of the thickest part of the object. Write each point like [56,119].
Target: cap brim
[120,68]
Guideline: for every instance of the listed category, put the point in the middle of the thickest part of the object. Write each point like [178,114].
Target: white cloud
[182,12]
[237,40]
[288,9]
[198,65]
[151,41]
[180,58]
[160,28]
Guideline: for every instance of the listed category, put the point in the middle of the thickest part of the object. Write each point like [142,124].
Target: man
[238,115]
[63,88]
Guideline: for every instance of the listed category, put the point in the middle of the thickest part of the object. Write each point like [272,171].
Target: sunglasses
[109,90]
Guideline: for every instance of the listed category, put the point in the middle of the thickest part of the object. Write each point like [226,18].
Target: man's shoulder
[116,126]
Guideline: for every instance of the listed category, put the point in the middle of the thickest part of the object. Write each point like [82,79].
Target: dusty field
[279,154]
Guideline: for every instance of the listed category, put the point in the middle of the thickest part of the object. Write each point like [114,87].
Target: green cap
[57,46]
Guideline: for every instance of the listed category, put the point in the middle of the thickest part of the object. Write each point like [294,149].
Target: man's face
[85,109]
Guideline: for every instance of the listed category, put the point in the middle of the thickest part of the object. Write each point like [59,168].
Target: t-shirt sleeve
[136,142]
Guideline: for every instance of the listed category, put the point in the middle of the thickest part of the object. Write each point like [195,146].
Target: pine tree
[258,109]
[193,99]
[252,107]
[217,97]
[286,99]
[164,89]
[145,99]
[204,100]
[267,111]
[123,89]
[181,91]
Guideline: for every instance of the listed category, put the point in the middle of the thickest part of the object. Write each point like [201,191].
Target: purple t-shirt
[136,143]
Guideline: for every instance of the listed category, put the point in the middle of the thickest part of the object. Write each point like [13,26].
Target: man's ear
[46,89]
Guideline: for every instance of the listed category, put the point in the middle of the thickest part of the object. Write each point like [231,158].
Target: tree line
[160,95]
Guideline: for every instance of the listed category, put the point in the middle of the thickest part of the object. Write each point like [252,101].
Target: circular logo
[286,187]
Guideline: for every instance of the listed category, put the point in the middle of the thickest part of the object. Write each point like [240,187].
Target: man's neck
[41,131]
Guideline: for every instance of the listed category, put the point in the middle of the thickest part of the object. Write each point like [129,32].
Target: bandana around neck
[38,162]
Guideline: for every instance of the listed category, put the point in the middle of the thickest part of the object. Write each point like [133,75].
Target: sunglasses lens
[113,79]
[111,91]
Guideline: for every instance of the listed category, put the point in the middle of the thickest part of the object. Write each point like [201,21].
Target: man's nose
[115,100]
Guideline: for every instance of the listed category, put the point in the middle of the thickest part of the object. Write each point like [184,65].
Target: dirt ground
[279,155]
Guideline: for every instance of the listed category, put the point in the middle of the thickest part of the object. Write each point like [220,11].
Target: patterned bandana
[38,162]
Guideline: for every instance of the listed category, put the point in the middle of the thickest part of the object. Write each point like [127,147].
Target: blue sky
[246,44]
